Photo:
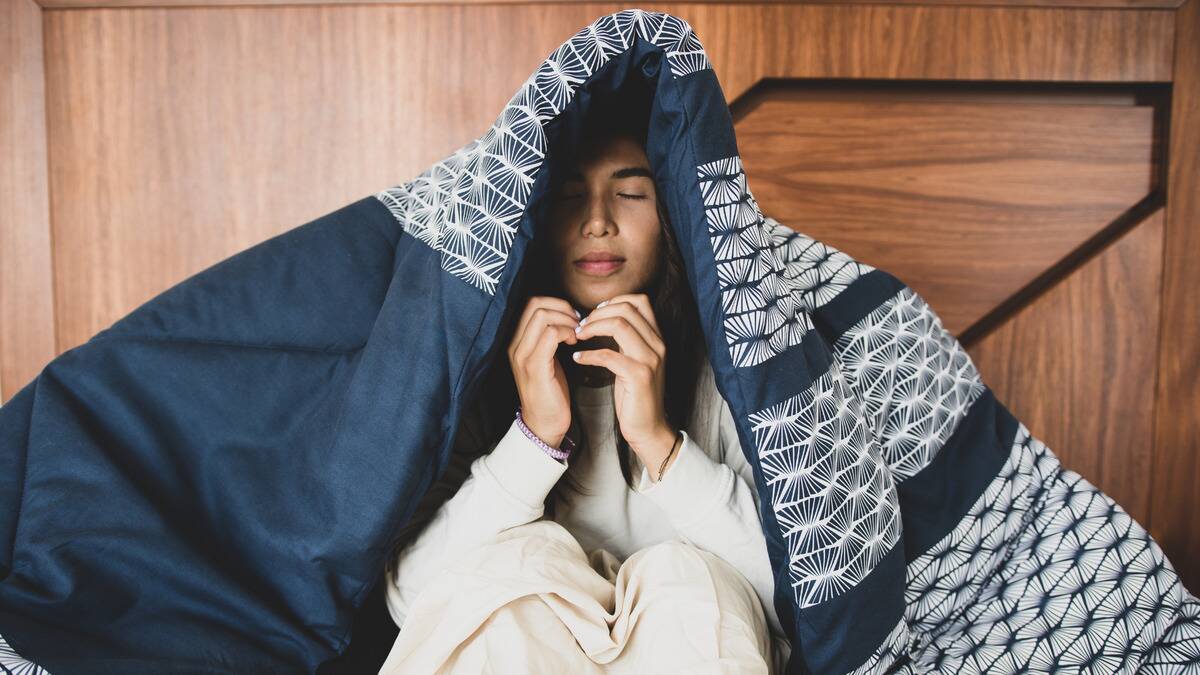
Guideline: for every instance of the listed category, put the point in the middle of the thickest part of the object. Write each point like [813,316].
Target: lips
[599,263]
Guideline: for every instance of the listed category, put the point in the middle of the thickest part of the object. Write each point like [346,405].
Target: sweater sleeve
[716,509]
[504,489]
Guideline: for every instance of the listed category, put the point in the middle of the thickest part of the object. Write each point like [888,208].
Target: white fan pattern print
[1043,572]
[469,205]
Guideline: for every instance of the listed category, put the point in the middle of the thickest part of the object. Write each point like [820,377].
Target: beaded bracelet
[568,444]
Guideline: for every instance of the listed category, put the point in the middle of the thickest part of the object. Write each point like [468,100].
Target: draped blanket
[210,484]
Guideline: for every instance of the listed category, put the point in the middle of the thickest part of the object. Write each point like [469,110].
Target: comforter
[210,484]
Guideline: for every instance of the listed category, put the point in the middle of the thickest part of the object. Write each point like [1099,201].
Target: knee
[671,560]
[675,560]
[686,569]
[679,551]
[673,549]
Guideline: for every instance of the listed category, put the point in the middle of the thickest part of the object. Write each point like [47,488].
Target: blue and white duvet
[210,485]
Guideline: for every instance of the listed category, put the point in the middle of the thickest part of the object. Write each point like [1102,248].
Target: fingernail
[577,314]
[602,304]
[583,321]
[575,356]
[578,328]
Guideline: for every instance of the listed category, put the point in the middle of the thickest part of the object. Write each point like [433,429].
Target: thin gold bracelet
[662,467]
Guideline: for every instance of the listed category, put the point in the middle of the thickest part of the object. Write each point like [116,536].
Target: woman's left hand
[640,370]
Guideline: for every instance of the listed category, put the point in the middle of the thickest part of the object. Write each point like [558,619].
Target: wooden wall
[1030,170]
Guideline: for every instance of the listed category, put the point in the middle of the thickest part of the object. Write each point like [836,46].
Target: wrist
[557,446]
[653,451]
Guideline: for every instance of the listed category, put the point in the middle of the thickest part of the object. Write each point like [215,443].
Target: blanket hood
[211,483]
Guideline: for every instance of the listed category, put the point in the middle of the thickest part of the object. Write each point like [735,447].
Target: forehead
[613,158]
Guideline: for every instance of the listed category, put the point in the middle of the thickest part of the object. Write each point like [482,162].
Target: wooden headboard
[1029,167]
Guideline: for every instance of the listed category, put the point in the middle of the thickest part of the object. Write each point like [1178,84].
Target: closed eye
[563,198]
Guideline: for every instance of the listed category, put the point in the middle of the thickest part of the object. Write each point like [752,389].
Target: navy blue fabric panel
[685,121]
[863,296]
[670,148]
[841,634]
[709,122]
[212,484]
[239,449]
[328,277]
[934,501]
[130,437]
[786,374]
[15,418]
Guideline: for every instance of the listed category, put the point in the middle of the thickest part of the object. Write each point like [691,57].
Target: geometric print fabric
[769,276]
[1047,574]
[761,314]
[915,380]
[468,206]
[814,269]
[12,663]
[832,495]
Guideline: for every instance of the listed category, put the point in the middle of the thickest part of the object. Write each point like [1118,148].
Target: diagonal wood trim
[1072,366]
[1048,279]
[918,178]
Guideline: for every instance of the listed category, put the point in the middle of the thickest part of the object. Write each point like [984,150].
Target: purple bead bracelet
[568,444]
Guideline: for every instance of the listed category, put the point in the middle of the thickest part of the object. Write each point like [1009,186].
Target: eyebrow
[627,172]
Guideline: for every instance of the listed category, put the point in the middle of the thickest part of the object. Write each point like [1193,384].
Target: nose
[598,221]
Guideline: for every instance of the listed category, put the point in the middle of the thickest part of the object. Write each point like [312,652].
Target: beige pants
[532,602]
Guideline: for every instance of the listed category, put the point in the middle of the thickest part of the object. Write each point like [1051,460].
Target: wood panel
[1072,366]
[1131,4]
[1176,520]
[960,43]
[26,294]
[180,136]
[967,196]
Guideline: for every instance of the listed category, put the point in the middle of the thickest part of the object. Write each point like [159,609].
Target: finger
[544,322]
[622,366]
[547,345]
[635,318]
[640,302]
[628,338]
[542,303]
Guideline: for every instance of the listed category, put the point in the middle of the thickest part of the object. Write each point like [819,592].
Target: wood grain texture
[180,136]
[893,42]
[919,184]
[1176,520]
[26,293]
[1072,366]
[1131,4]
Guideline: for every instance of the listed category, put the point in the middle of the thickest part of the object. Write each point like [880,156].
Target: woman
[614,392]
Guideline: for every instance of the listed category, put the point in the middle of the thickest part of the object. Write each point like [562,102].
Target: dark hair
[677,317]
[495,404]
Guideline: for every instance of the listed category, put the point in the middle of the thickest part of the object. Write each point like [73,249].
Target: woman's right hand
[545,323]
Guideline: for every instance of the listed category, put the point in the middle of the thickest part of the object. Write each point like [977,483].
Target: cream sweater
[707,498]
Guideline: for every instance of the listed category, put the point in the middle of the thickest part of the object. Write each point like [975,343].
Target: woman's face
[604,224]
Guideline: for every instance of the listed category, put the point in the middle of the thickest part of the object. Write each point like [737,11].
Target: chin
[590,291]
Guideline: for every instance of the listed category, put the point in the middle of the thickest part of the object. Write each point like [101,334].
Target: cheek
[648,250]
